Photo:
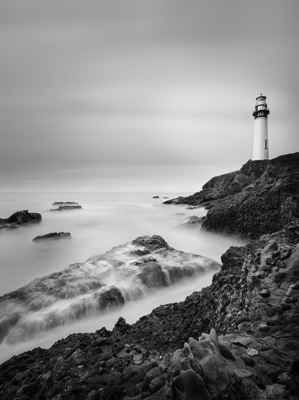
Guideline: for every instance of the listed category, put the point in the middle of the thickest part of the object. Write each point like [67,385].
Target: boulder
[20,218]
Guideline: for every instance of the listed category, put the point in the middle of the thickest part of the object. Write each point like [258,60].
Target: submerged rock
[136,268]
[64,203]
[192,222]
[52,236]
[20,218]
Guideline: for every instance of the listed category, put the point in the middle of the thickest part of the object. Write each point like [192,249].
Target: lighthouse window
[266,144]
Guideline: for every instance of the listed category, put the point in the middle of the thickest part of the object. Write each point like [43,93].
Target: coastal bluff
[260,198]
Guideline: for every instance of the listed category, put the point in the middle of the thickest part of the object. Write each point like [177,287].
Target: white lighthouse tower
[260,138]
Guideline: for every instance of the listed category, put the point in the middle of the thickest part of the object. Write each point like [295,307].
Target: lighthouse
[260,138]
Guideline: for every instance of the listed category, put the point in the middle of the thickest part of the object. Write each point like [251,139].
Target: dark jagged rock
[20,218]
[247,354]
[260,198]
[52,235]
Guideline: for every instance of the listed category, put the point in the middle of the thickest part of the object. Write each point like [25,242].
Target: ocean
[106,220]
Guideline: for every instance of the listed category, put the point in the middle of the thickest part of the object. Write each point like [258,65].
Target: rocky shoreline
[236,339]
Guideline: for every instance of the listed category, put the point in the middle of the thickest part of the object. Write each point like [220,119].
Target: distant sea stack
[20,218]
[260,198]
[65,203]
[65,206]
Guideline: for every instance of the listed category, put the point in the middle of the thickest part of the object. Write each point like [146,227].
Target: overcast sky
[146,94]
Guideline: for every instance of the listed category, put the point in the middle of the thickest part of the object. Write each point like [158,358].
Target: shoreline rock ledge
[236,339]
[125,273]
[258,199]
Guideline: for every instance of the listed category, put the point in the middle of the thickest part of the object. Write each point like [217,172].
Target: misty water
[105,221]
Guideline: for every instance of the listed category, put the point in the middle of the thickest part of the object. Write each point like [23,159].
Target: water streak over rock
[124,273]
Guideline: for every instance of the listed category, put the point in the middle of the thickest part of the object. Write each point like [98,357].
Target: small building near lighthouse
[260,136]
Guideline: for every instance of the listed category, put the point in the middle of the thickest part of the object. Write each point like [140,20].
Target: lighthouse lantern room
[260,138]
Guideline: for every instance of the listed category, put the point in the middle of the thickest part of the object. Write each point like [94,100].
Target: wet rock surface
[20,218]
[193,222]
[258,199]
[228,341]
[52,236]
[104,281]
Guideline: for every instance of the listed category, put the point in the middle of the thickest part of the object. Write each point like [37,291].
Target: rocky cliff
[260,198]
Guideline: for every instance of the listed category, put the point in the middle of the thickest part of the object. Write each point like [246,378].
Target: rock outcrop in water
[20,218]
[85,289]
[260,198]
[237,339]
[52,236]
[67,207]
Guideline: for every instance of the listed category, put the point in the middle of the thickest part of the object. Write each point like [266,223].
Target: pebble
[265,293]
[252,352]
